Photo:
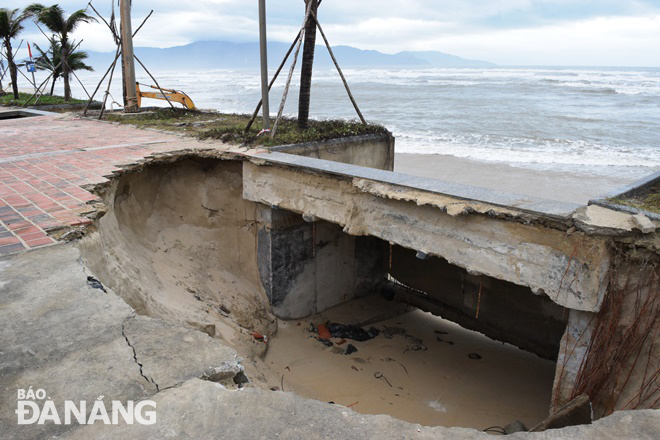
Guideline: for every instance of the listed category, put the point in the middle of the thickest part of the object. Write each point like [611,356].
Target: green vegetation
[649,201]
[8,99]
[230,128]
[61,26]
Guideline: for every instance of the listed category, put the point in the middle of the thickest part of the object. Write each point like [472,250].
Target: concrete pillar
[309,266]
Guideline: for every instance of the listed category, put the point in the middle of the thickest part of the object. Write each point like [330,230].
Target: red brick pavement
[45,160]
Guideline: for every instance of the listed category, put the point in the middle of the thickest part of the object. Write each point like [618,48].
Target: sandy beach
[462,378]
[556,185]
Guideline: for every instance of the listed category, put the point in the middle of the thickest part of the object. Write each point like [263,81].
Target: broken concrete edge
[455,199]
[529,204]
[627,191]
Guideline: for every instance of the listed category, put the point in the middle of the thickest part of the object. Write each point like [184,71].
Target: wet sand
[441,386]
[557,185]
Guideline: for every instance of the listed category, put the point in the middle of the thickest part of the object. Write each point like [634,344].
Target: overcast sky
[507,32]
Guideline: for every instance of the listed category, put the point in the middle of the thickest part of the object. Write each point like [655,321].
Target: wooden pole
[91,98]
[341,74]
[154,80]
[277,73]
[127,57]
[117,53]
[39,88]
[293,67]
[105,97]
[263,55]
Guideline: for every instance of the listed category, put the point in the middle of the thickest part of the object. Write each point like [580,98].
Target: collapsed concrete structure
[226,242]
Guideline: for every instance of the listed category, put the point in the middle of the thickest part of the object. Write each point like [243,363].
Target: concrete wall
[373,150]
[501,310]
[486,239]
[309,266]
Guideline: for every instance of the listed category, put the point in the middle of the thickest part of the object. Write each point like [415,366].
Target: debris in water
[95,284]
[324,333]
[352,404]
[474,356]
[440,332]
[350,348]
[351,332]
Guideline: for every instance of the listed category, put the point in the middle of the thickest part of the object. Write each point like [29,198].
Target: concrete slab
[79,343]
[201,409]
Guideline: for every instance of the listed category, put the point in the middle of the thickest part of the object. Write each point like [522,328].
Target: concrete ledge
[628,191]
[535,205]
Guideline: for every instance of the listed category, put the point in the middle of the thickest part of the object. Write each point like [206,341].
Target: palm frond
[77,18]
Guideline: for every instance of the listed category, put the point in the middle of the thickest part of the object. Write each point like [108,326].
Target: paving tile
[42,171]
[11,249]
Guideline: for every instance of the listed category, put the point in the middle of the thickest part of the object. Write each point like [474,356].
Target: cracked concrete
[78,343]
[123,333]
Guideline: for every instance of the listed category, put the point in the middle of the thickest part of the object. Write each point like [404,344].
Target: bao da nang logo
[37,407]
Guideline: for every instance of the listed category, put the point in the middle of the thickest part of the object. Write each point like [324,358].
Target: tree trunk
[52,86]
[65,69]
[307,67]
[13,73]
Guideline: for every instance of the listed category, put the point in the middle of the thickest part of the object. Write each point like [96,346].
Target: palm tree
[307,66]
[53,18]
[50,60]
[10,26]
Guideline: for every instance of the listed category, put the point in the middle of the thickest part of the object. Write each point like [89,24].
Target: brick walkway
[44,161]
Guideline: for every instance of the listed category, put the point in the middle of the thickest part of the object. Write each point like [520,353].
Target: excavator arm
[172,95]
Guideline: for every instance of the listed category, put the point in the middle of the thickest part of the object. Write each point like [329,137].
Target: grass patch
[649,201]
[230,128]
[9,100]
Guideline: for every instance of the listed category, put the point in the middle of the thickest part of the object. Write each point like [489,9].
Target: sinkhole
[180,242]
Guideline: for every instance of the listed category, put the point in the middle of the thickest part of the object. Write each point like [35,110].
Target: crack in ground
[123,333]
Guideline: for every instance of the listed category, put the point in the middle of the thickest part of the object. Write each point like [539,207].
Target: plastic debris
[325,342]
[259,337]
[95,284]
[324,333]
[350,348]
[352,332]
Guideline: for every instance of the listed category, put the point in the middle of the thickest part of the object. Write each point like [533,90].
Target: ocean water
[600,121]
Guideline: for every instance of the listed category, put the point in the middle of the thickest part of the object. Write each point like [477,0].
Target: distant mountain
[225,55]
[439,59]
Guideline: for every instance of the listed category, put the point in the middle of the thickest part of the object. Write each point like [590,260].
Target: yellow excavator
[172,95]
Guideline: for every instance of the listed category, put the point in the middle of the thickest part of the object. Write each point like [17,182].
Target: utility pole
[264,64]
[127,57]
